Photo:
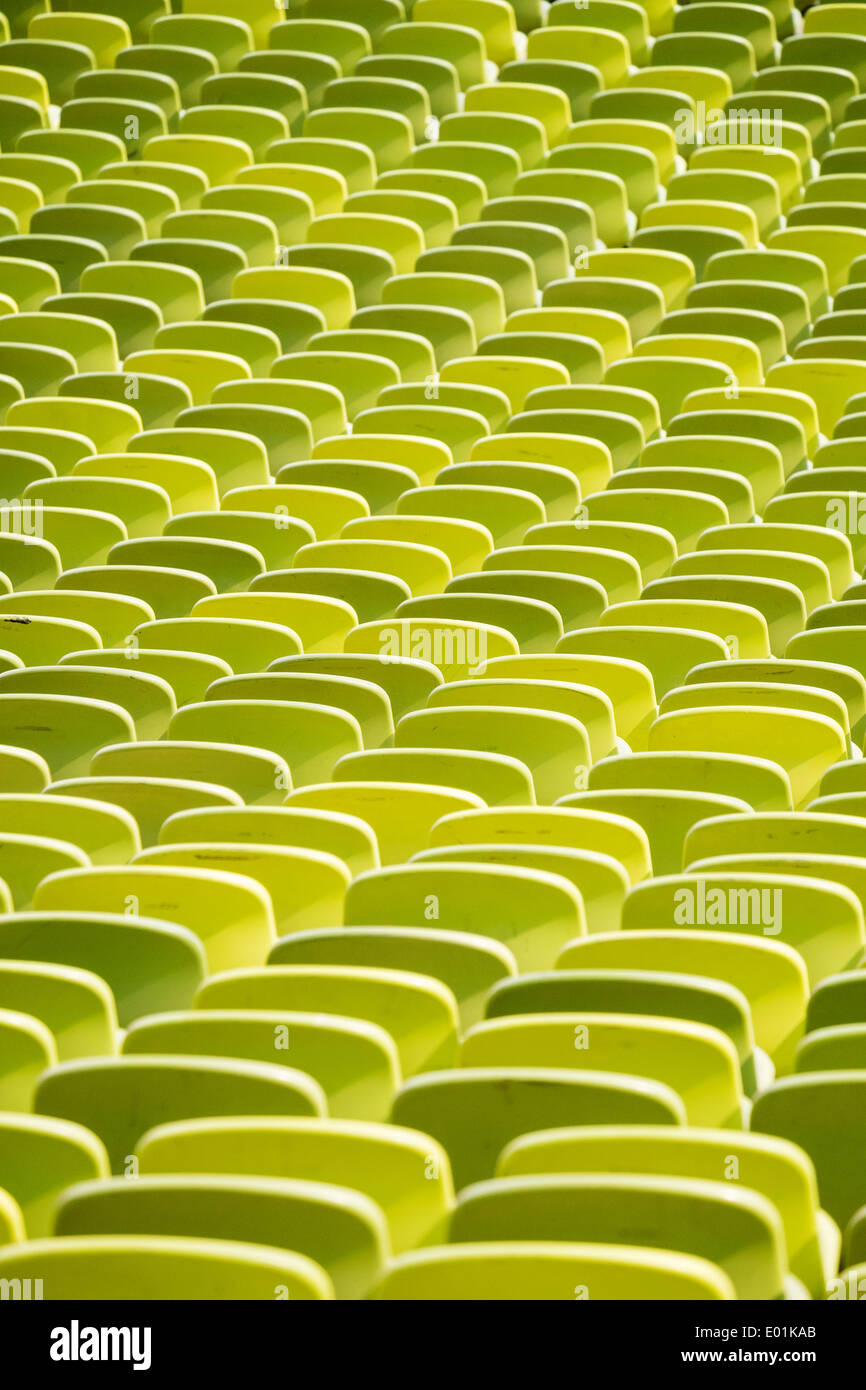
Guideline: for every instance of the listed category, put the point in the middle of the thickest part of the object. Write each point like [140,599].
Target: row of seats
[432,661]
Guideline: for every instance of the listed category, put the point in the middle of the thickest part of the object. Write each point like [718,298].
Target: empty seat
[749,1242]
[509,1101]
[132,1267]
[168,1088]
